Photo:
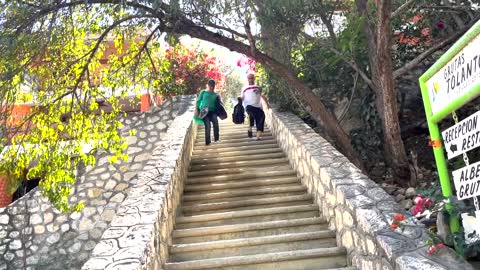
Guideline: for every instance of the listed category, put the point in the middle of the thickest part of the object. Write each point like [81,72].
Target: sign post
[450,83]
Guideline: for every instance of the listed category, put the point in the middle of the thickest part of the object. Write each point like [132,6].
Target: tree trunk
[315,106]
[380,58]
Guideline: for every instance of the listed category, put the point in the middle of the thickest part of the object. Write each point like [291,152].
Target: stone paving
[36,236]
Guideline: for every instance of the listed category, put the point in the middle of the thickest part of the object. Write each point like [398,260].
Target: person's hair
[211,82]
[239,99]
[250,75]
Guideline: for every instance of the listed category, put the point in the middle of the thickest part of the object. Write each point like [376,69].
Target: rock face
[35,235]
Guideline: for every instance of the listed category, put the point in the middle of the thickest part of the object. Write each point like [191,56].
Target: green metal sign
[450,83]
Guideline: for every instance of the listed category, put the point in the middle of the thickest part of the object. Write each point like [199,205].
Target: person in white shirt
[251,96]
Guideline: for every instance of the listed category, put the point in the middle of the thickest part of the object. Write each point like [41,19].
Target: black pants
[211,117]
[257,115]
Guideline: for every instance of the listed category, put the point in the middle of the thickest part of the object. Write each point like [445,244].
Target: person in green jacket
[208,97]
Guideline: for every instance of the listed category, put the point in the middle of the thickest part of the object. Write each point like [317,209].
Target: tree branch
[251,40]
[97,45]
[355,67]
[227,30]
[402,8]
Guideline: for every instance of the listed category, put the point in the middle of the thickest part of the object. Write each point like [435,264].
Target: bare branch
[355,67]
[227,30]
[251,40]
[402,8]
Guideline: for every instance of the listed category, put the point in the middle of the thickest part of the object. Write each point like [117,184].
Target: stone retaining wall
[139,235]
[34,235]
[357,208]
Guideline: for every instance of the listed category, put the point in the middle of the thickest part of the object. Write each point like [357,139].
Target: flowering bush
[397,221]
[185,71]
[435,248]
[247,62]
[421,204]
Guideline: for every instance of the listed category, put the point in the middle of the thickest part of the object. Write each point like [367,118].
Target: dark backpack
[238,115]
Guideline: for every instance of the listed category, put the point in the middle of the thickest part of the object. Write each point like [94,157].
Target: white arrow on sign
[463,136]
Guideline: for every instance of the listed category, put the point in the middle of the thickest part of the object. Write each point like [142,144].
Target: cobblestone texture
[139,235]
[34,235]
[355,206]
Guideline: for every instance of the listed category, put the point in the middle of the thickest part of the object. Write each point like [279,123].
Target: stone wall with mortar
[357,208]
[34,235]
[139,235]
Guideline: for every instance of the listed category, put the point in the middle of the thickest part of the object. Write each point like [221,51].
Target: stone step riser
[251,233]
[323,258]
[242,192]
[242,198]
[233,140]
[239,149]
[232,130]
[235,135]
[243,220]
[240,177]
[248,203]
[254,162]
[203,210]
[237,158]
[220,145]
[231,171]
[322,263]
[241,184]
[208,253]
[236,153]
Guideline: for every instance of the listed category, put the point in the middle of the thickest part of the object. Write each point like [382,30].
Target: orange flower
[399,217]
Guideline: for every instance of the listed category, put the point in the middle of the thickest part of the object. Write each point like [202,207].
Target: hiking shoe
[250,134]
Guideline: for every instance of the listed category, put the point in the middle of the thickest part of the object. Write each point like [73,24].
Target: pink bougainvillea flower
[425,32]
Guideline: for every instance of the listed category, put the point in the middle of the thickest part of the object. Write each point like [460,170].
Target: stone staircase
[244,208]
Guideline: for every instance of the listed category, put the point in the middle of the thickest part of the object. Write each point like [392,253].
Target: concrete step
[241,184]
[222,144]
[247,216]
[238,135]
[247,230]
[320,258]
[206,161]
[254,162]
[252,245]
[252,207]
[237,140]
[243,192]
[234,153]
[260,175]
[265,202]
[234,149]
[229,128]
[229,171]
[242,198]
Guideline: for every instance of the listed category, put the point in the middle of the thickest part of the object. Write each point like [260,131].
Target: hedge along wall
[357,208]
[139,235]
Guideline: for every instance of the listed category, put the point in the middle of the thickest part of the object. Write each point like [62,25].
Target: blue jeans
[210,118]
